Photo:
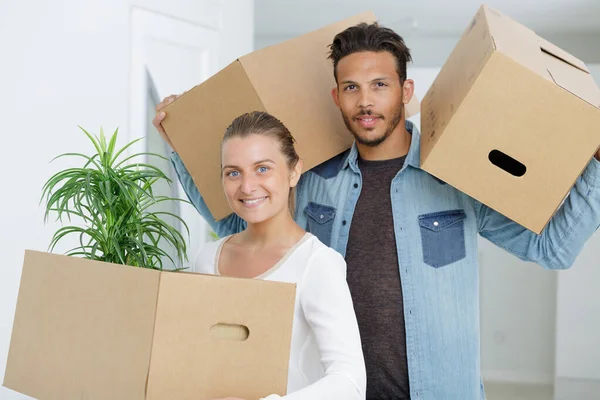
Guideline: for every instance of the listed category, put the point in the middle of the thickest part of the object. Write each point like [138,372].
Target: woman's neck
[280,230]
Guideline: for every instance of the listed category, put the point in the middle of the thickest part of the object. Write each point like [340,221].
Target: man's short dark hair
[370,37]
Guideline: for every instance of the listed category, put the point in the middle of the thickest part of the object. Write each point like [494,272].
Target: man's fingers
[157,120]
[166,101]
[160,116]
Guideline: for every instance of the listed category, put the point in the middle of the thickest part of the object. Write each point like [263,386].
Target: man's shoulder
[330,168]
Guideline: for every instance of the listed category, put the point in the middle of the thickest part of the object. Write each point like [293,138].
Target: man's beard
[396,118]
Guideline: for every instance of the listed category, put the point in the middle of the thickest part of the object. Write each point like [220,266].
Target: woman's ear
[296,173]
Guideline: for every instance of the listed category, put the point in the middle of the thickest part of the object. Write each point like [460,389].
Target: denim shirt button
[321,216]
[434,224]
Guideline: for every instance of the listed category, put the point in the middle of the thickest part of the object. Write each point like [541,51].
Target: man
[410,240]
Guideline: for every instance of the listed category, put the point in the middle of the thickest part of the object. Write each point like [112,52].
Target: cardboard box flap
[569,73]
[68,342]
[493,18]
[505,30]
[515,41]
[542,57]
[574,80]
[557,52]
[188,338]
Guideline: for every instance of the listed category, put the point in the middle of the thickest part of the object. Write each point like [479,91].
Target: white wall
[66,63]
[518,309]
[433,50]
[578,317]
[578,310]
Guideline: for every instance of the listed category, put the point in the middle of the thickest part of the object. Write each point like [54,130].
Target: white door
[168,56]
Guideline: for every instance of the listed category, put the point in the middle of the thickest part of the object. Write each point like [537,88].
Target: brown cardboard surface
[454,81]
[190,360]
[291,80]
[535,107]
[94,330]
[82,330]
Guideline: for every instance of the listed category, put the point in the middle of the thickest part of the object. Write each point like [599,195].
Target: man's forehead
[367,62]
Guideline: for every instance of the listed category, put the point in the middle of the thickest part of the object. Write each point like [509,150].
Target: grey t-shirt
[374,280]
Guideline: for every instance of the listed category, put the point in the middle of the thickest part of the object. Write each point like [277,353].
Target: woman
[260,168]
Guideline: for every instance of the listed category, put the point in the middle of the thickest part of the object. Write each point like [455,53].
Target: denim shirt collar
[413,158]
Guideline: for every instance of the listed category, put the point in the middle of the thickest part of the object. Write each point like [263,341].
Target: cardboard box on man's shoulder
[512,120]
[291,80]
[92,330]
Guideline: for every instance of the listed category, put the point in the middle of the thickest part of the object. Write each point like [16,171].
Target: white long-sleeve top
[326,359]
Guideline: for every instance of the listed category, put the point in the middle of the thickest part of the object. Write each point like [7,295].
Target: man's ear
[336,98]
[408,90]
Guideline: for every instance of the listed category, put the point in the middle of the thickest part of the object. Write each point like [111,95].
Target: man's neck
[394,146]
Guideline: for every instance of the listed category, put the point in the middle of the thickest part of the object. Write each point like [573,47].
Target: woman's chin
[258,215]
[253,216]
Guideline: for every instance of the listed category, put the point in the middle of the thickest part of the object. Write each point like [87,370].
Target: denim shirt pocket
[320,221]
[443,237]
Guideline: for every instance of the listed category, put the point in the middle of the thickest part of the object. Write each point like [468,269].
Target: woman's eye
[233,174]
[263,169]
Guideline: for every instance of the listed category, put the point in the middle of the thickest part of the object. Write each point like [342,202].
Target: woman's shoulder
[324,271]
[320,250]
[319,255]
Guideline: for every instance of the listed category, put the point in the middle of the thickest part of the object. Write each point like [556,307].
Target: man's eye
[350,87]
[381,84]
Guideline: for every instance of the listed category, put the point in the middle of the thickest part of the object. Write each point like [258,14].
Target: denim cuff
[591,174]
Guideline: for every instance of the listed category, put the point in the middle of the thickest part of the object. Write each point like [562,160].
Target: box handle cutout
[507,163]
[238,333]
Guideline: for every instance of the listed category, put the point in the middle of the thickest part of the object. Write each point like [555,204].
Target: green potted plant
[87,328]
[112,197]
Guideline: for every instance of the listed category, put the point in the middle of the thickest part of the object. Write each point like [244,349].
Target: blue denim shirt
[436,228]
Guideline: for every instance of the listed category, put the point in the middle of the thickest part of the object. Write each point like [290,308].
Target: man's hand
[161,115]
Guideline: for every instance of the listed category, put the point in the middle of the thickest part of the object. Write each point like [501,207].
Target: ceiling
[286,18]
